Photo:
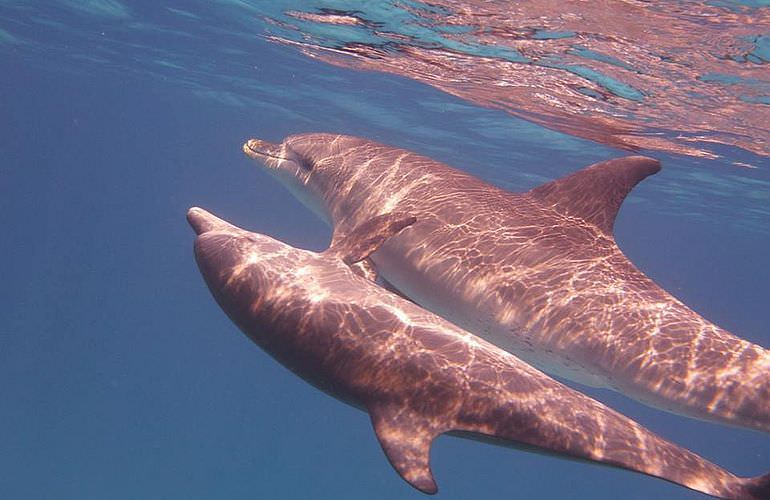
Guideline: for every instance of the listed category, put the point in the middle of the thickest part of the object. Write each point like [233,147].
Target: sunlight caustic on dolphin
[417,375]
[537,273]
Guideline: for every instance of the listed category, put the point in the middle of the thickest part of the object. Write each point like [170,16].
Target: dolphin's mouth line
[253,148]
[264,153]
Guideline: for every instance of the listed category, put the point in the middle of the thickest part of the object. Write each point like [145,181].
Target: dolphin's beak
[203,221]
[262,150]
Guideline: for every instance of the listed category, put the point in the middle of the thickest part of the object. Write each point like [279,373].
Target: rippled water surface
[120,376]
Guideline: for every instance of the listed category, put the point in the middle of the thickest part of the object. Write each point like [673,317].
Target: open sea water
[120,378]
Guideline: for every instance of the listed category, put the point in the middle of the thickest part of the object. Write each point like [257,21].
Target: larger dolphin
[537,273]
[417,375]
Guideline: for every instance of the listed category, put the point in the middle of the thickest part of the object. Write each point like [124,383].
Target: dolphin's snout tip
[196,217]
[254,147]
[202,221]
[249,146]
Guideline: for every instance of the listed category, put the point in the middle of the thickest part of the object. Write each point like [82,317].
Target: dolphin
[537,273]
[416,374]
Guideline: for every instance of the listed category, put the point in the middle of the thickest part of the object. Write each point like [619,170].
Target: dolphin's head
[298,165]
[242,269]
[324,171]
[221,246]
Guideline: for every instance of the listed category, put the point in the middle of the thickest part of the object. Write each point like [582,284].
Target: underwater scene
[439,145]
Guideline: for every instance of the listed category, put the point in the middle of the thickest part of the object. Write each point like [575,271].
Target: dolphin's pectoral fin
[366,238]
[595,193]
[366,269]
[406,442]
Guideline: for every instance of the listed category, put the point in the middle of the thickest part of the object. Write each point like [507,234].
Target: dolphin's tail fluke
[757,488]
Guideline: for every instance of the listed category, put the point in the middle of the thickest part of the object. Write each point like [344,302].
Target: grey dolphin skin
[416,374]
[537,273]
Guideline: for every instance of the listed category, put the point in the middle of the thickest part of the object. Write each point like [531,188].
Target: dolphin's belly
[449,303]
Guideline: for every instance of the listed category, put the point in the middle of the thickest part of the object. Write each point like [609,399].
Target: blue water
[120,377]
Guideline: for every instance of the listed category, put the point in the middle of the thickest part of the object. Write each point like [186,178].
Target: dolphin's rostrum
[417,375]
[537,273]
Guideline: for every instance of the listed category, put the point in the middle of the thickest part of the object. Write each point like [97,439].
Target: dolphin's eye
[304,163]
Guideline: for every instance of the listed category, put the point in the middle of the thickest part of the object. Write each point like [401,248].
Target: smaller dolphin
[417,375]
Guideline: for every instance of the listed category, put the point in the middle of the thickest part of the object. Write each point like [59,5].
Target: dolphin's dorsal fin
[406,439]
[366,238]
[595,193]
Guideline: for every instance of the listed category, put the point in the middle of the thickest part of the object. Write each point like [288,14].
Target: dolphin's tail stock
[582,428]
[757,488]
